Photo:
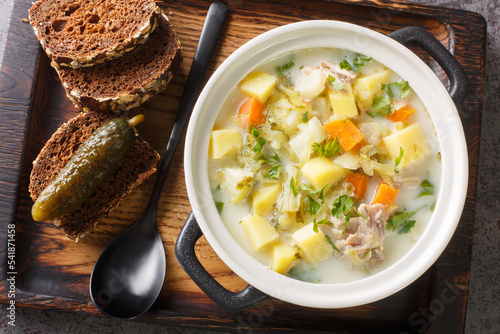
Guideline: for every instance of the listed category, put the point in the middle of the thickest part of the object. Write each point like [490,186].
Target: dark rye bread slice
[140,163]
[128,81]
[76,33]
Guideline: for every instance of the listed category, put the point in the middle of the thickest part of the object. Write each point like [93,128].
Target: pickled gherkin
[96,158]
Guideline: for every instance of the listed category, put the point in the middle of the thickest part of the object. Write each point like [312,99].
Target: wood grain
[53,272]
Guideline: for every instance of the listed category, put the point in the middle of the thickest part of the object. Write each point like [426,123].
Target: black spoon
[129,274]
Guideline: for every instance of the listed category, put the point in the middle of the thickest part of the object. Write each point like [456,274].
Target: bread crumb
[25,20]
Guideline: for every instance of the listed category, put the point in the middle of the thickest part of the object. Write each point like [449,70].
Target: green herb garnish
[428,189]
[344,65]
[401,88]
[331,242]
[313,207]
[219,206]
[398,159]
[305,116]
[401,222]
[254,132]
[383,104]
[257,149]
[344,205]
[328,149]
[280,70]
[321,222]
[318,192]
[334,83]
[274,172]
[359,62]
[293,186]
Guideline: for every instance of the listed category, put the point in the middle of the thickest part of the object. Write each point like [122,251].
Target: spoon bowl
[129,287]
[129,274]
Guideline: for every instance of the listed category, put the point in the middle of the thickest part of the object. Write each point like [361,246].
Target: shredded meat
[335,70]
[361,245]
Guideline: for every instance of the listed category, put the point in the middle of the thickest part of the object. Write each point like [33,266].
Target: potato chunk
[264,199]
[224,142]
[283,257]
[321,171]
[366,87]
[412,140]
[342,102]
[259,85]
[313,245]
[259,232]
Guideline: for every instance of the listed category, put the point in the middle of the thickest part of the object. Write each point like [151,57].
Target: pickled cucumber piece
[92,163]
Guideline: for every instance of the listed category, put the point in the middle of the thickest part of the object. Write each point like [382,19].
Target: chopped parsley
[357,63]
[313,207]
[293,186]
[398,159]
[274,172]
[328,149]
[331,242]
[428,189]
[321,222]
[305,116]
[382,105]
[257,149]
[280,70]
[399,89]
[219,206]
[401,222]
[344,205]
[254,132]
[344,65]
[334,83]
[318,192]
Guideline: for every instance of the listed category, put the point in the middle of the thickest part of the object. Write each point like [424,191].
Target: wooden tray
[53,272]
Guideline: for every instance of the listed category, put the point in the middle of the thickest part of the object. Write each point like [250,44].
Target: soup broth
[324,165]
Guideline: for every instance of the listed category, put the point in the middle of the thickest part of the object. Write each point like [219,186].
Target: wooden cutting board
[53,272]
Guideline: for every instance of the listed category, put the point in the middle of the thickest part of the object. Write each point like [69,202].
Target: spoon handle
[208,39]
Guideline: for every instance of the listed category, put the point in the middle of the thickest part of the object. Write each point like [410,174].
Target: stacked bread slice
[139,164]
[109,55]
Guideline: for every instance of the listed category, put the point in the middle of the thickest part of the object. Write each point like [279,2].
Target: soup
[323,165]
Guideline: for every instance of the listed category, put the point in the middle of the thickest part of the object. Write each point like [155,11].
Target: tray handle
[184,251]
[455,72]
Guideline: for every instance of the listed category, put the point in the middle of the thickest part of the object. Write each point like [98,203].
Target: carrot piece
[251,112]
[347,133]
[359,182]
[385,194]
[401,114]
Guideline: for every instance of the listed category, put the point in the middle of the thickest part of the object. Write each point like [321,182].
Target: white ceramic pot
[440,106]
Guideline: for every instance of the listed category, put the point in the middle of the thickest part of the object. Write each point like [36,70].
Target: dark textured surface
[483,305]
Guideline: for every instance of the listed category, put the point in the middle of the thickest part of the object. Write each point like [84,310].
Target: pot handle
[184,251]
[455,72]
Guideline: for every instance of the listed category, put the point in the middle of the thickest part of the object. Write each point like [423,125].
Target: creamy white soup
[324,165]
